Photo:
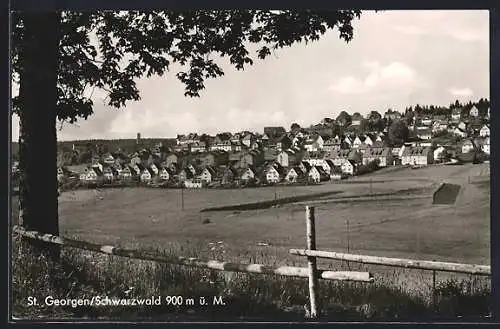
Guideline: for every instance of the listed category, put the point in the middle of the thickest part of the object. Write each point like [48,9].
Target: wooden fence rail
[398,262]
[302,272]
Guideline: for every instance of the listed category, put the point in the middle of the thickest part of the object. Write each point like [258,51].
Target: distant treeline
[96,146]
[482,105]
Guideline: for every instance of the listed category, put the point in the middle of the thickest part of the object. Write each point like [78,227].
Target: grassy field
[384,226]
[387,213]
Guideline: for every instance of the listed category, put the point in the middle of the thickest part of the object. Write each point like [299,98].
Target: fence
[311,271]
[311,253]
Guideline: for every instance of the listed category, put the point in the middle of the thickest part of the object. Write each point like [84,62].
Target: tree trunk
[38,209]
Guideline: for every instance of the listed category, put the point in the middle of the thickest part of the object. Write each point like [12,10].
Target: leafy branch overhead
[111,50]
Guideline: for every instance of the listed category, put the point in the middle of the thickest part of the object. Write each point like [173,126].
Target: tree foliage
[398,132]
[364,126]
[111,50]
[295,127]
[374,116]
[356,116]
[344,119]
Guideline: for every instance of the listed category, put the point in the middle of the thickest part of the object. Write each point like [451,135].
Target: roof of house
[335,170]
[332,141]
[378,144]
[423,132]
[229,171]
[381,152]
[297,170]
[412,151]
[364,146]
[330,163]
[351,162]
[313,155]
[210,170]
[321,170]
[188,173]
[306,165]
[270,154]
[312,139]
[97,171]
[252,168]
[148,169]
[468,142]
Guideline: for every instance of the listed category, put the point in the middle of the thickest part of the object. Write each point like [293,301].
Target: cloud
[461,92]
[469,35]
[348,85]
[411,30]
[459,25]
[453,32]
[395,74]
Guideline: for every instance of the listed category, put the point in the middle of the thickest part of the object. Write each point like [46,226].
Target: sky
[396,59]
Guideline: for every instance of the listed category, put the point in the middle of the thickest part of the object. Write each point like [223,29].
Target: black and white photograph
[250,166]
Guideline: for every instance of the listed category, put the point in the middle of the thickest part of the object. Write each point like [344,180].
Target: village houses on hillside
[313,155]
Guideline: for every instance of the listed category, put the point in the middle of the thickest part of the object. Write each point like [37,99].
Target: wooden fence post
[182,195]
[434,303]
[313,273]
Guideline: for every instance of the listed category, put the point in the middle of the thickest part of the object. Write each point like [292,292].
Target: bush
[369,167]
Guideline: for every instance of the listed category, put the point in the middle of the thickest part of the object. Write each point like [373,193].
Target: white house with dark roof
[348,141]
[109,173]
[336,173]
[91,174]
[165,174]
[314,143]
[383,155]
[147,175]
[225,145]
[294,174]
[417,156]
[356,142]
[348,167]
[108,158]
[424,134]
[484,131]
[198,147]
[317,174]
[207,175]
[274,174]
[248,174]
[287,158]
[439,153]
[474,111]
[439,126]
[467,146]
[456,114]
[485,147]
[331,145]
[314,158]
